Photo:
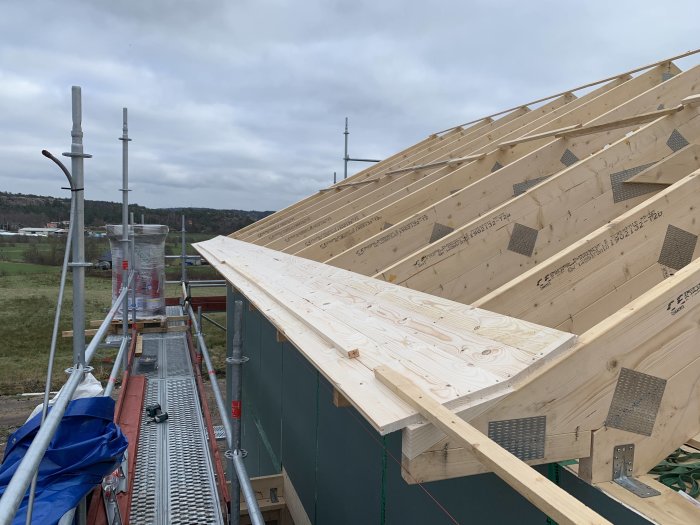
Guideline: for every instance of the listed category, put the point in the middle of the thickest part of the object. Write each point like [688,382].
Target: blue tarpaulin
[87,446]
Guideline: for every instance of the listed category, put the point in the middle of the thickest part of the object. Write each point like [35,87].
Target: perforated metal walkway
[174,479]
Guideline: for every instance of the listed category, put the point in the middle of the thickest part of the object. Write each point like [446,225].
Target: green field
[27,306]
[19,268]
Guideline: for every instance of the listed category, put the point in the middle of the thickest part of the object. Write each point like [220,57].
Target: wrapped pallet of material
[149,265]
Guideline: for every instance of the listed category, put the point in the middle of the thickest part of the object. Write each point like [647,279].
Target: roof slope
[347,324]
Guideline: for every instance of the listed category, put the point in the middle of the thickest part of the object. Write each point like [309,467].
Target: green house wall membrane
[345,472]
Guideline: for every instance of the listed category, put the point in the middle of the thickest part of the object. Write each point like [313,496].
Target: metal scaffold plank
[174,482]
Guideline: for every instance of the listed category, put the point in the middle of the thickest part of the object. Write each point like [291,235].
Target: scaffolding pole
[125,228]
[183,277]
[347,158]
[78,263]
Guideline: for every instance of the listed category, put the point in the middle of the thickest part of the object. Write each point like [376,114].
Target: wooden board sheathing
[482,191]
[323,317]
[337,209]
[559,211]
[292,213]
[653,334]
[594,277]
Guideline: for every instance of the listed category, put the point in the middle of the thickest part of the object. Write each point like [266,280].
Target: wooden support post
[138,349]
[339,400]
[545,495]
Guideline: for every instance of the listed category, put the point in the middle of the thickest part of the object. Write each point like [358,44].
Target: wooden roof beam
[592,278]
[330,211]
[478,257]
[248,233]
[414,228]
[669,508]
[673,168]
[655,334]
[369,215]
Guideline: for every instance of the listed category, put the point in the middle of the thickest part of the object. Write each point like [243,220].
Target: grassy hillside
[20,210]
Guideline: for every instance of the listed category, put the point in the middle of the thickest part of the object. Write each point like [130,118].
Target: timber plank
[668,509]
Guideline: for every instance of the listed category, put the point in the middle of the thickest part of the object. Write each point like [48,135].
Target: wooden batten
[292,214]
[339,400]
[271,220]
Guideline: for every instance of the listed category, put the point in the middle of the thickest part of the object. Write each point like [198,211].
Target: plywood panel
[324,317]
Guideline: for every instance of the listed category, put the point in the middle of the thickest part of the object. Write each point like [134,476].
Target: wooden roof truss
[558,240]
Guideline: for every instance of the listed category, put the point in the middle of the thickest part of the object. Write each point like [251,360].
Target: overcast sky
[240,103]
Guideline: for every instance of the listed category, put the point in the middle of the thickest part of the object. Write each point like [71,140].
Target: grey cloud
[240,104]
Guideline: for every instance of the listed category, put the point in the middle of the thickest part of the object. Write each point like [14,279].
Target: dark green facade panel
[299,425]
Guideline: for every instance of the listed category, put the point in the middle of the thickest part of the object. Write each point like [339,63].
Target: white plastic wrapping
[149,264]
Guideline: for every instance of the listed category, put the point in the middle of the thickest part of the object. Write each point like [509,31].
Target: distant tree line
[19,210]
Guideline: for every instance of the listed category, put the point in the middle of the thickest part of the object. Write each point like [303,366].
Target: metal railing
[234,454]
